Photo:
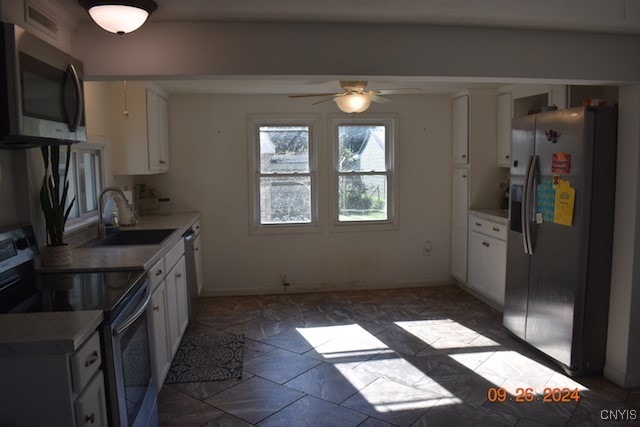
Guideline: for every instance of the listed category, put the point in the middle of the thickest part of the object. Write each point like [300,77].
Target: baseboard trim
[326,287]
[619,378]
[478,295]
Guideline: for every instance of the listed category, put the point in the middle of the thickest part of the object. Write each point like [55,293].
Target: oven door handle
[131,319]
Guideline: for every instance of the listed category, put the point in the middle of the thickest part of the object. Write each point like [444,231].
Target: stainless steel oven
[131,385]
[122,296]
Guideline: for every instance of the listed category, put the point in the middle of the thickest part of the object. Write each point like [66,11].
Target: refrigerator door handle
[528,205]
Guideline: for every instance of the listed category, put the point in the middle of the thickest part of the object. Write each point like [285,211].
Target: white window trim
[254,121]
[390,121]
[88,219]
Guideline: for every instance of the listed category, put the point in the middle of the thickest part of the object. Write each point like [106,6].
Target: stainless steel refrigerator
[560,240]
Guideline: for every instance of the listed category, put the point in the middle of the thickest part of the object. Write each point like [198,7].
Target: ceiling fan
[354,98]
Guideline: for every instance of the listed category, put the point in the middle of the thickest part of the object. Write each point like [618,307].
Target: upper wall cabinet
[504,129]
[140,128]
[460,131]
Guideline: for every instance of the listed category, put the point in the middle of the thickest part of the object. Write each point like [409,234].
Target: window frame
[390,122]
[254,122]
[89,217]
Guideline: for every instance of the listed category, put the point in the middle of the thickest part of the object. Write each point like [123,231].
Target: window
[85,173]
[363,165]
[283,182]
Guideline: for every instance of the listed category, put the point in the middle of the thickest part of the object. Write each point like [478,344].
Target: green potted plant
[53,200]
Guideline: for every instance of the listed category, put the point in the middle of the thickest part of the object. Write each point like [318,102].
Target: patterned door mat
[207,358]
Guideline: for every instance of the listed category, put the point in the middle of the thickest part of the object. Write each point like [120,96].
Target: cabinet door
[158,315]
[460,131]
[497,265]
[504,129]
[180,276]
[477,262]
[197,248]
[173,332]
[163,134]
[91,406]
[153,135]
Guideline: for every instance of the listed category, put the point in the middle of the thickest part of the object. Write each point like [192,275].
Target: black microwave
[41,92]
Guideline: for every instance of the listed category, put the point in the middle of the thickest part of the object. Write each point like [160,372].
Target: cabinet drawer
[490,228]
[85,362]
[91,406]
[156,274]
[174,254]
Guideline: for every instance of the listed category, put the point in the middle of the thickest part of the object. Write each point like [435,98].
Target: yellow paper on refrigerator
[564,204]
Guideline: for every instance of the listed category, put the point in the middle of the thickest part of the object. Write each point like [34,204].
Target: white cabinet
[168,310]
[140,130]
[158,132]
[54,388]
[504,129]
[460,129]
[158,316]
[97,111]
[197,248]
[91,409]
[177,310]
[487,257]
[460,205]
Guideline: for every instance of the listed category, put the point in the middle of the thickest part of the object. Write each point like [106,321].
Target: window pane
[362,198]
[71,193]
[285,200]
[361,148]
[284,149]
[87,182]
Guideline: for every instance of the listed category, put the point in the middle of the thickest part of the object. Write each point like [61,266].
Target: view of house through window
[363,172]
[284,176]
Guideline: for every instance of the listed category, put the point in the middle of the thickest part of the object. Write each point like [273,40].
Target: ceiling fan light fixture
[119,16]
[353,102]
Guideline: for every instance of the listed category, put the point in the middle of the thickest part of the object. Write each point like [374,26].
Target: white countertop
[63,332]
[129,257]
[497,215]
[46,333]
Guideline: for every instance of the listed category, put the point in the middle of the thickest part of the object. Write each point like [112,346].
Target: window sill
[364,226]
[284,229]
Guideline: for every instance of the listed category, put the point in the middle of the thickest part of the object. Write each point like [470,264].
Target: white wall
[14,208]
[209,174]
[623,345]
[201,49]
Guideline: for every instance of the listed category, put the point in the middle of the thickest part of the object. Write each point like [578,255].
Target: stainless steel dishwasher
[192,277]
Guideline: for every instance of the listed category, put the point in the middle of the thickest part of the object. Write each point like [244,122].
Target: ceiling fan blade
[308,95]
[397,91]
[379,99]
[324,100]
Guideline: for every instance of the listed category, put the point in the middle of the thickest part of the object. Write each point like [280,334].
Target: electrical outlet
[426,249]
[285,282]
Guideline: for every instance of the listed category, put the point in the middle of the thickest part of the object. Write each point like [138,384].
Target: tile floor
[407,357]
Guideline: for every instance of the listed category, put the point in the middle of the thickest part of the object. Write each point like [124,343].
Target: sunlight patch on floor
[445,333]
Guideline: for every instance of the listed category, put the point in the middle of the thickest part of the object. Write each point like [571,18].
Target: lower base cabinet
[168,309]
[158,317]
[487,258]
[54,389]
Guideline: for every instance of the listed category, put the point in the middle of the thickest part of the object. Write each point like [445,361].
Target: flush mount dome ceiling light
[353,102]
[119,16]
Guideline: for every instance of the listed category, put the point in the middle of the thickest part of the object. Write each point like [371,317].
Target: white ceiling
[608,16]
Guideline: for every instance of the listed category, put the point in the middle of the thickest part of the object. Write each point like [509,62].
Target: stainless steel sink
[135,238]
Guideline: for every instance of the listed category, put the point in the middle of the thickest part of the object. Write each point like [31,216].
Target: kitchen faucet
[101,228]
